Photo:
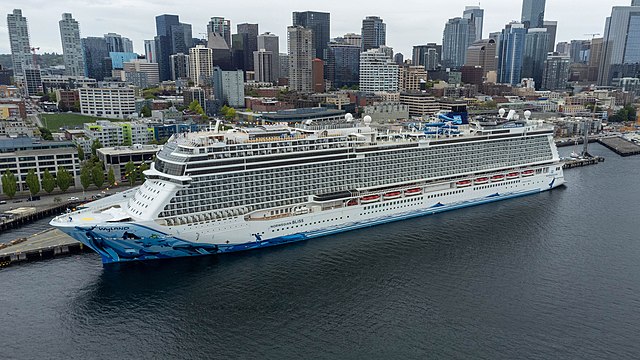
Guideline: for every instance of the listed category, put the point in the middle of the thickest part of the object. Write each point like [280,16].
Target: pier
[573,163]
[30,216]
[620,146]
[45,245]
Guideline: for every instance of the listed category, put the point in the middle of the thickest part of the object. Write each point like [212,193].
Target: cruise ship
[214,192]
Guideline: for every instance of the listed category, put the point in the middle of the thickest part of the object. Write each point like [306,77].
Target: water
[26,231]
[554,275]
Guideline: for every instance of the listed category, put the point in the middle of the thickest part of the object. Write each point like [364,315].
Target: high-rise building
[476,15]
[556,72]
[533,13]
[263,66]
[317,76]
[535,53]
[71,46]
[222,26]
[249,34]
[580,50]
[150,50]
[552,30]
[510,59]
[97,63]
[482,53]
[378,73]
[118,43]
[374,33]
[222,56]
[353,39]
[141,66]
[119,58]
[237,50]
[320,24]
[32,80]
[343,64]
[111,102]
[172,37]
[427,55]
[179,66]
[301,51]
[412,78]
[19,39]
[201,65]
[398,58]
[563,48]
[595,57]
[229,87]
[458,34]
[270,42]
[284,66]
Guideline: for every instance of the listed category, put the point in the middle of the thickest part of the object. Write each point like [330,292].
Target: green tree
[130,170]
[224,110]
[80,153]
[111,177]
[97,175]
[85,176]
[143,167]
[48,182]
[195,107]
[146,111]
[9,184]
[52,97]
[45,133]
[95,146]
[64,179]
[231,114]
[33,182]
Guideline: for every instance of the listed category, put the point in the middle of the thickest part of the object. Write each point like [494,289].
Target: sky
[411,22]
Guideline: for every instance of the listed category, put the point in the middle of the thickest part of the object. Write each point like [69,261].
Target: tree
[143,167]
[33,182]
[231,114]
[224,110]
[64,179]
[97,175]
[195,107]
[146,111]
[52,97]
[45,133]
[85,176]
[130,172]
[80,153]
[95,146]
[9,184]
[111,177]
[48,182]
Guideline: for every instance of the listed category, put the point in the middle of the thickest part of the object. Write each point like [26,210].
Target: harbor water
[554,275]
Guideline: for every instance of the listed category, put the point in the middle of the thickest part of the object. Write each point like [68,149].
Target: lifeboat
[392,195]
[370,199]
[463,183]
[513,175]
[413,192]
[482,180]
[496,178]
[528,173]
[352,202]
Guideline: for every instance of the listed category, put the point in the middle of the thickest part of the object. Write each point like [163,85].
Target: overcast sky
[409,22]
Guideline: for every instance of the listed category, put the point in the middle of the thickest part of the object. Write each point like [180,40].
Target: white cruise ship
[215,192]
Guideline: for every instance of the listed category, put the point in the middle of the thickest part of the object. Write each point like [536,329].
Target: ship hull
[125,242]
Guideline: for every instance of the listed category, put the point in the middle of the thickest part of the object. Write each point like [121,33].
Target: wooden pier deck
[620,146]
[44,245]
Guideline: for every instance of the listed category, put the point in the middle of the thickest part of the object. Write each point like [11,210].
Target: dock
[620,146]
[26,217]
[45,245]
[573,163]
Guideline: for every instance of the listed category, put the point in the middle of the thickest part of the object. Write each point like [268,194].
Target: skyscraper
[71,46]
[179,66]
[374,33]
[420,53]
[482,53]
[510,59]
[172,37]
[317,76]
[552,30]
[476,15]
[118,43]
[270,42]
[320,24]
[220,26]
[249,34]
[378,73]
[556,72]
[150,50]
[301,51]
[201,65]
[96,58]
[263,65]
[580,50]
[533,13]
[458,34]
[19,39]
[535,54]
[343,64]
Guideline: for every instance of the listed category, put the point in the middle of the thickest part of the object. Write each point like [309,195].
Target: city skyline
[404,28]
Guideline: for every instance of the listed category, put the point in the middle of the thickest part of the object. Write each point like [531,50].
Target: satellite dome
[501,112]
[527,114]
[367,119]
[348,117]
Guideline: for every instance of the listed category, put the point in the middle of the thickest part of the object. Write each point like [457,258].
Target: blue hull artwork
[141,243]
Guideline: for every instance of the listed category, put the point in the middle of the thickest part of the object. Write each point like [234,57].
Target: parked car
[2,202]
[73,198]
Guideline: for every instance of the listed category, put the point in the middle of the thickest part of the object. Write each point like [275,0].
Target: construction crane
[35,58]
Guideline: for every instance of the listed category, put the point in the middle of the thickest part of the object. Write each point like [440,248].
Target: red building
[317,75]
